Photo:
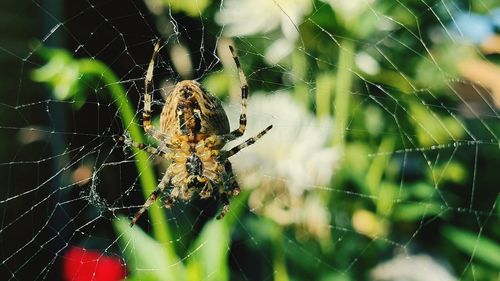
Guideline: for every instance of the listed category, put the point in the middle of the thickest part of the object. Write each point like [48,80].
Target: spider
[193,130]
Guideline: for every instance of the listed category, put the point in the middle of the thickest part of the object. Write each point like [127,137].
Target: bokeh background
[382,163]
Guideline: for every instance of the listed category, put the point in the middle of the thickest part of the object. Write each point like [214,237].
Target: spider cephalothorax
[193,130]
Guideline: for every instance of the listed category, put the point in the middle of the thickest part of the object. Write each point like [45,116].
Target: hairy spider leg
[225,207]
[233,186]
[152,198]
[248,142]
[244,100]
[148,85]
[149,149]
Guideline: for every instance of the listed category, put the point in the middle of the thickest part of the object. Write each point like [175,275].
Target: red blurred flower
[80,264]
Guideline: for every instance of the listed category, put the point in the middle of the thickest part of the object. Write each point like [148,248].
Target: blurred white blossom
[292,159]
[367,63]
[350,10]
[412,268]
[248,17]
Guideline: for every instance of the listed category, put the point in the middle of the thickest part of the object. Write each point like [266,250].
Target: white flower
[349,10]
[290,160]
[416,268]
[248,17]
[293,151]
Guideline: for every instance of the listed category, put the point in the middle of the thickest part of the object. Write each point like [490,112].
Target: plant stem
[147,177]
[324,89]
[299,72]
[378,167]
[279,262]
[342,91]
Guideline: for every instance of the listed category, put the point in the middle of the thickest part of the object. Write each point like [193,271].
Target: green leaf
[378,166]
[191,7]
[421,190]
[208,260]
[356,163]
[416,211]
[431,128]
[335,277]
[218,83]
[146,258]
[386,194]
[142,277]
[479,247]
[61,72]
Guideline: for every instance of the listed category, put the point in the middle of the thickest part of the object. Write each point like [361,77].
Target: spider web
[410,189]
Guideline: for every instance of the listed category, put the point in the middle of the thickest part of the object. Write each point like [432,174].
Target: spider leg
[206,191]
[148,85]
[225,207]
[233,186]
[168,201]
[149,149]
[248,142]
[152,198]
[244,97]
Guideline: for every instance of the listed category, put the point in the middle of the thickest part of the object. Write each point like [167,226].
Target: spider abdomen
[191,110]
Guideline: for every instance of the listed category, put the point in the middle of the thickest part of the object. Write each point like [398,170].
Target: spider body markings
[193,130]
